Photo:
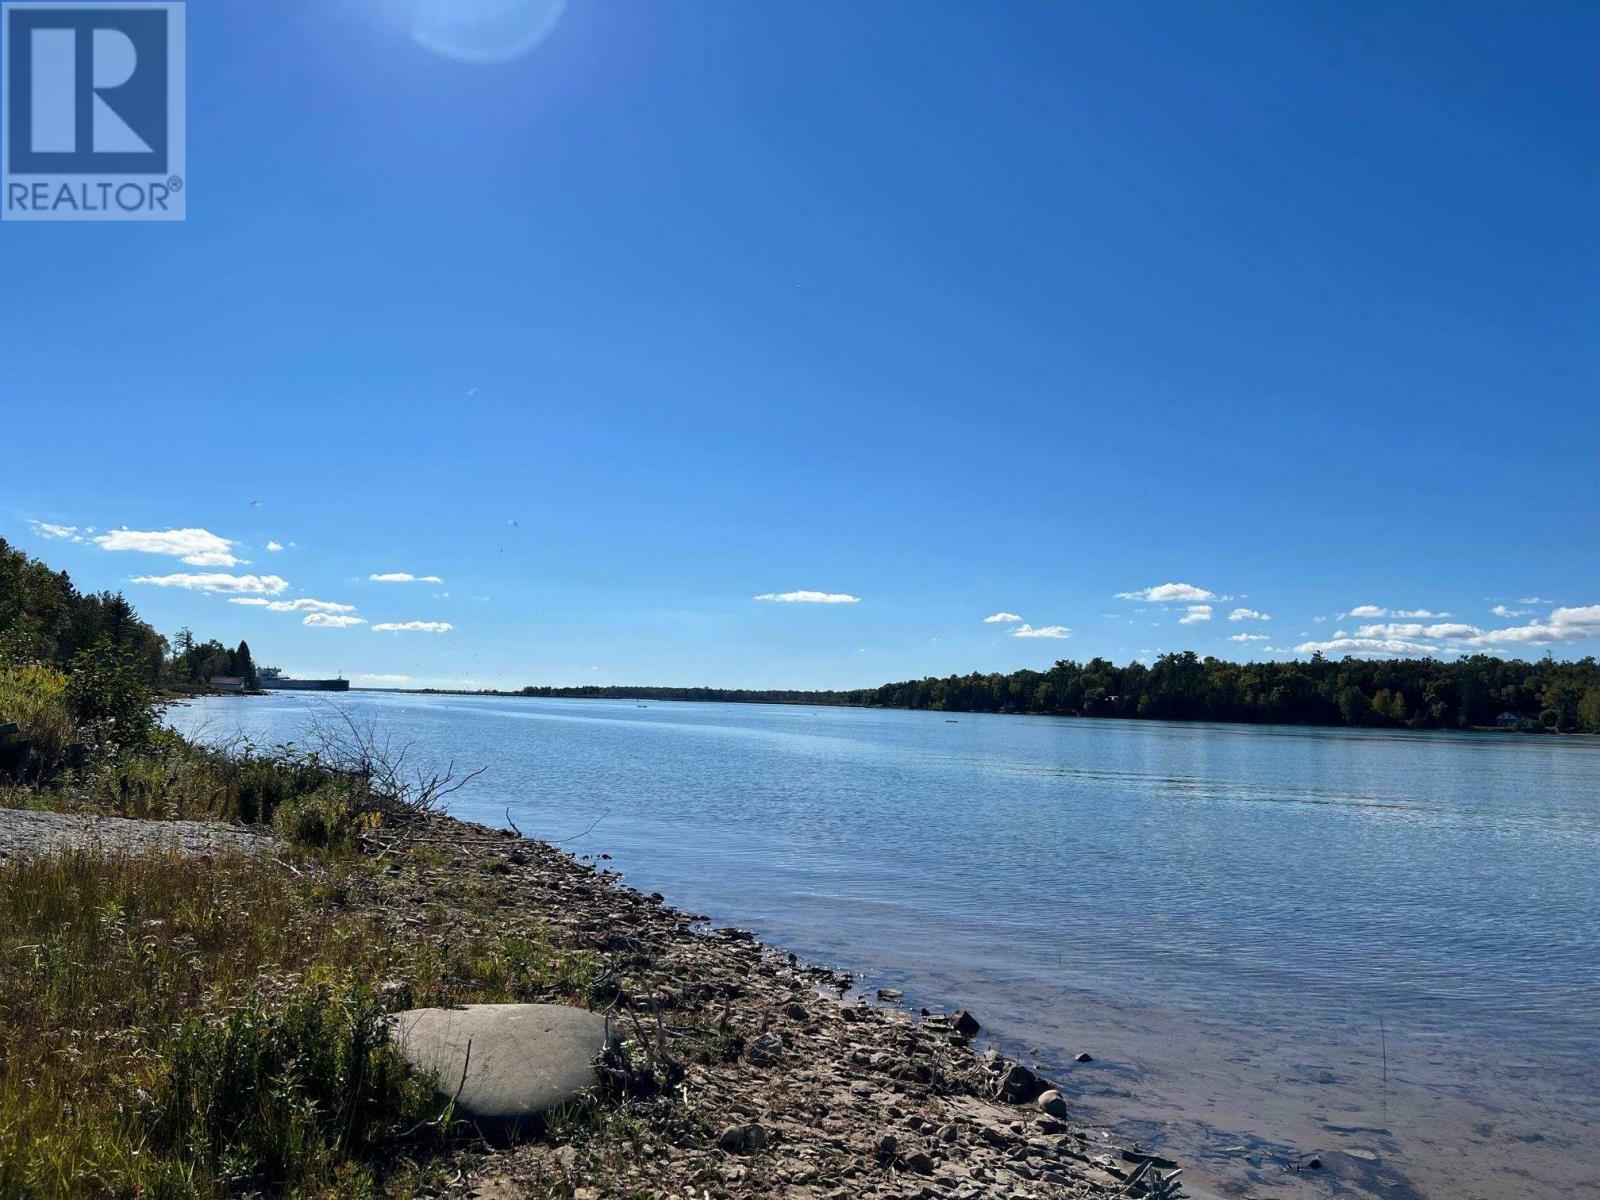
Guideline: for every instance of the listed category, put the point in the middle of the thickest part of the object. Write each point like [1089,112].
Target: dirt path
[23,832]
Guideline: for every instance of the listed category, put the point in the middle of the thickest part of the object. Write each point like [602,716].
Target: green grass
[173,1027]
[168,1027]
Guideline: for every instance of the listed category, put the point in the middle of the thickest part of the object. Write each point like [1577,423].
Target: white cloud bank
[1170,593]
[1248,637]
[197,547]
[403,577]
[274,546]
[1000,618]
[322,620]
[304,604]
[1043,631]
[1572,624]
[805,597]
[270,585]
[1195,614]
[1564,625]
[1248,614]
[413,627]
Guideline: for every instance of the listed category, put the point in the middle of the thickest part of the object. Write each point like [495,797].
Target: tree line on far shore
[1415,693]
[45,619]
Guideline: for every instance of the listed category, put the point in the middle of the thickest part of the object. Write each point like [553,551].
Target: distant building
[227,683]
[1508,720]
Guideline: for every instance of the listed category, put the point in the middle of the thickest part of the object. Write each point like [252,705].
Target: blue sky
[961,310]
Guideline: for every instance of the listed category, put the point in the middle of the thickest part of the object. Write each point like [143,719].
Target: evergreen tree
[246,667]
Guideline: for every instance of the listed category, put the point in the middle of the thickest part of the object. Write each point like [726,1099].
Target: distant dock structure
[274,680]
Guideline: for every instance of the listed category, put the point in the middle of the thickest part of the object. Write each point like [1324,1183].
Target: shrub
[35,697]
[325,820]
[109,699]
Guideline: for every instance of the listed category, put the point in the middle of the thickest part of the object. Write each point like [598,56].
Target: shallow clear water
[1378,948]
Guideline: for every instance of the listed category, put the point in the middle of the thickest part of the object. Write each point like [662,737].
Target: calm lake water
[1381,949]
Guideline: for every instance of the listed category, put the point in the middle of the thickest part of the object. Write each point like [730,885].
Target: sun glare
[484,31]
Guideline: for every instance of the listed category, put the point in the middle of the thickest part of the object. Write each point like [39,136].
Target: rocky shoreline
[761,1075]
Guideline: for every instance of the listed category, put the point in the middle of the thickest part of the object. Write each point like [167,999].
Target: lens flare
[484,31]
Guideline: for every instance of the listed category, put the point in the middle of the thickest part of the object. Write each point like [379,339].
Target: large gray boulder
[507,1064]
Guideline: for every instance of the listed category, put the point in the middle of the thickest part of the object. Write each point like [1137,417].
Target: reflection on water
[1378,948]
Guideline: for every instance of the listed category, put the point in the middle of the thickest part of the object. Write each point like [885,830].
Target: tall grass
[172,1027]
[177,1027]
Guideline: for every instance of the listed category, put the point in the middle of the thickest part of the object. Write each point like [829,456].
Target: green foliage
[326,819]
[1412,693]
[44,618]
[35,697]
[245,666]
[109,699]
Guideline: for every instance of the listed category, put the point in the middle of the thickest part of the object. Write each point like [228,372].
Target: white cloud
[404,577]
[1508,614]
[1371,611]
[804,597]
[1395,638]
[322,620]
[197,547]
[1002,618]
[1248,637]
[63,532]
[214,582]
[1044,631]
[1437,632]
[1248,614]
[274,546]
[1195,614]
[303,604]
[383,680]
[1564,625]
[1169,593]
[413,627]
[1368,648]
[1534,600]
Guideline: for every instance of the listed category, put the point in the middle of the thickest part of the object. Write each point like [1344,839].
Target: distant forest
[44,618]
[1413,693]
